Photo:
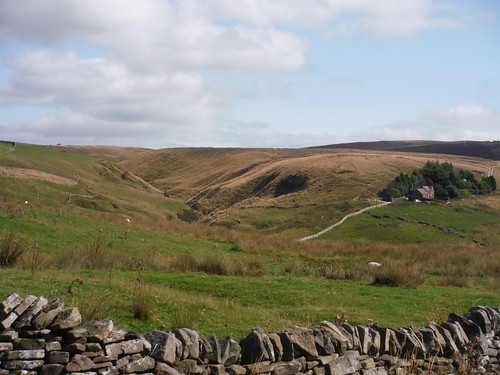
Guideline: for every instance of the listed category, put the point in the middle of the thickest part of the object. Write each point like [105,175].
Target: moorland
[206,238]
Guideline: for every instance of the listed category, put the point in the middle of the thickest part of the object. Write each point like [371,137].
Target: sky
[248,73]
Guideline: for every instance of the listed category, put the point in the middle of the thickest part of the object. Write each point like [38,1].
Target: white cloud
[474,123]
[107,90]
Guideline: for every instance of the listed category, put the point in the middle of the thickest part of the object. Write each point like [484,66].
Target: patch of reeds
[184,317]
[12,247]
[398,274]
[143,301]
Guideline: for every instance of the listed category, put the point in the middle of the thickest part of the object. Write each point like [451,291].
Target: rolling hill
[112,219]
[226,182]
[486,150]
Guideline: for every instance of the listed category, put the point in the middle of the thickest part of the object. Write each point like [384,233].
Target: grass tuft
[143,304]
[396,274]
[12,247]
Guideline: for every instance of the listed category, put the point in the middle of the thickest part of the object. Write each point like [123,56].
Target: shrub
[395,274]
[184,317]
[143,304]
[215,263]
[12,247]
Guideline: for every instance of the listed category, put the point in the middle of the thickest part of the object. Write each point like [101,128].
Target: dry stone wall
[42,337]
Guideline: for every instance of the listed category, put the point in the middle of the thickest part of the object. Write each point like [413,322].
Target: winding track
[341,221]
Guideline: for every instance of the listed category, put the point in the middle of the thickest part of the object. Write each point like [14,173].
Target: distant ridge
[482,149]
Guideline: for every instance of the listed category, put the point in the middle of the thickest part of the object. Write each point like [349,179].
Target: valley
[209,236]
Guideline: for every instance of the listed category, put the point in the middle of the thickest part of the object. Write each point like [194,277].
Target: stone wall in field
[42,337]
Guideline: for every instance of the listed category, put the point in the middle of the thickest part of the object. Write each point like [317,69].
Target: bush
[395,274]
[143,304]
[12,247]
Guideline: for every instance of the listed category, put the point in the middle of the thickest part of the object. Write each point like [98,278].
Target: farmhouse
[422,193]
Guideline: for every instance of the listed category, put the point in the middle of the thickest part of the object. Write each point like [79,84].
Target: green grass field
[228,279]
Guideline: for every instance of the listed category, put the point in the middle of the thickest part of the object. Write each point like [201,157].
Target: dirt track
[36,175]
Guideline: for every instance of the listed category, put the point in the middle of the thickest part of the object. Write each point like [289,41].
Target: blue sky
[248,73]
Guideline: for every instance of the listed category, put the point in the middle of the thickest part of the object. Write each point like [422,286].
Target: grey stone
[318,371]
[105,358]
[256,347]
[93,347]
[8,336]
[324,340]
[114,349]
[67,319]
[22,365]
[25,318]
[230,350]
[164,346]
[353,333]
[189,366]
[368,363]
[140,365]
[53,346]
[277,345]
[341,341]
[261,367]
[471,329]
[109,371]
[348,364]
[412,347]
[214,356]
[287,344]
[79,363]
[365,340]
[450,349]
[428,339]
[457,334]
[216,369]
[303,342]
[187,344]
[8,321]
[132,346]
[29,344]
[287,368]
[24,354]
[480,316]
[98,329]
[115,335]
[164,369]
[375,340]
[374,371]
[48,314]
[25,304]
[324,360]
[194,337]
[102,365]
[4,346]
[9,304]
[57,357]
[236,370]
[51,369]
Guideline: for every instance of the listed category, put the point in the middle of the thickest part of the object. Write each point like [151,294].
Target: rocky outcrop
[41,337]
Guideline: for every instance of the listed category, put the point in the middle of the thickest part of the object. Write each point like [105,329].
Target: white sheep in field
[374,264]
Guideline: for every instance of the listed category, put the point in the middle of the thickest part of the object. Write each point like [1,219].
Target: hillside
[241,187]
[108,238]
[486,150]
[72,183]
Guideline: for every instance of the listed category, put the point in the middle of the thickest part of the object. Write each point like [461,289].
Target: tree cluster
[447,181]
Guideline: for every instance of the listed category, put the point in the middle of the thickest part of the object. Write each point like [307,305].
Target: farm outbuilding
[423,193]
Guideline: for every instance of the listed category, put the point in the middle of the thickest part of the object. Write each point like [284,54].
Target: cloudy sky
[248,73]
